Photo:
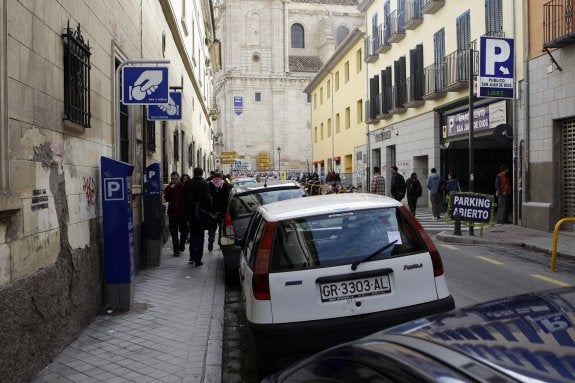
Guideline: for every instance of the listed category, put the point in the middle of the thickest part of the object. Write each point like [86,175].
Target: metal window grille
[176,146]
[493,17]
[165,163]
[151,135]
[191,155]
[76,77]
[439,57]
[568,168]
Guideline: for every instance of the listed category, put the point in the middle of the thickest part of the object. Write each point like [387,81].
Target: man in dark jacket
[177,213]
[397,184]
[219,193]
[197,194]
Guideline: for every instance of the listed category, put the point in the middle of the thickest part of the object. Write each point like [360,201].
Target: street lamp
[279,161]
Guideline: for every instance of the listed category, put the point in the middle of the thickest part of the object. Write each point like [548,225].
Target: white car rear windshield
[246,204]
[343,238]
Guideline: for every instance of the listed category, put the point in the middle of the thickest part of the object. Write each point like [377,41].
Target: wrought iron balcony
[384,44]
[558,28]
[457,70]
[398,93]
[369,45]
[384,99]
[413,15]
[396,26]
[371,110]
[434,81]
[414,89]
[431,6]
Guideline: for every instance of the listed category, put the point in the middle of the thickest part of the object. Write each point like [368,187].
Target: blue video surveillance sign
[496,62]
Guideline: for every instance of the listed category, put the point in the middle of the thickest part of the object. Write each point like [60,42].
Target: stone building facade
[51,274]
[271,51]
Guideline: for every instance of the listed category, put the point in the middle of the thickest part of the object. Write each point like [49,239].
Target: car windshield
[246,204]
[343,238]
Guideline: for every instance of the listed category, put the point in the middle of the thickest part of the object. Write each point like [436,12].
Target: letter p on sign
[500,52]
[113,189]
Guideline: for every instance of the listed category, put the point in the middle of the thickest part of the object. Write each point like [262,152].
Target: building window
[359,108]
[76,77]
[347,118]
[321,95]
[258,97]
[337,124]
[329,127]
[321,131]
[346,72]
[358,60]
[191,155]
[150,134]
[315,134]
[124,137]
[176,146]
[341,33]
[297,36]
[336,81]
[165,161]
[494,18]
[328,88]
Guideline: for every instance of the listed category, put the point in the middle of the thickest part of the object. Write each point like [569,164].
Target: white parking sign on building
[496,73]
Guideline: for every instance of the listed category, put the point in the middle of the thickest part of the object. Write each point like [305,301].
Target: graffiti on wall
[90,190]
[39,199]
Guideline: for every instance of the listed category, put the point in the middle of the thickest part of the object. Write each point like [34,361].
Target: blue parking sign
[496,62]
[171,111]
[145,85]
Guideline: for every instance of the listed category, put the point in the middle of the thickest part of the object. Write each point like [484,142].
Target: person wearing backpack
[414,191]
[433,182]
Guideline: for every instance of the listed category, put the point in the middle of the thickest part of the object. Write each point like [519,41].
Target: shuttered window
[463,31]
[493,17]
[439,58]
[568,168]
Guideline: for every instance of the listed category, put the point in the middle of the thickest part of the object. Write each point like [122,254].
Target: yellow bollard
[555,237]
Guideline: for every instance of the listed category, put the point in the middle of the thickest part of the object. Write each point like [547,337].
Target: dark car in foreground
[242,203]
[525,338]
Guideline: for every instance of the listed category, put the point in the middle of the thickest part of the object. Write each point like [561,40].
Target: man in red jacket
[177,213]
[503,193]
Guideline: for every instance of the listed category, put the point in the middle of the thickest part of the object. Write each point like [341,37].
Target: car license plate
[354,288]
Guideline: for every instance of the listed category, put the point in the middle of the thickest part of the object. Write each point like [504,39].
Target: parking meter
[116,177]
[153,214]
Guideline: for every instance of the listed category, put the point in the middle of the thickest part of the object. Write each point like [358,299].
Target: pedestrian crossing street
[433,226]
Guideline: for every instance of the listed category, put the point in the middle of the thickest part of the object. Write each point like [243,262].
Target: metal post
[279,162]
[471,165]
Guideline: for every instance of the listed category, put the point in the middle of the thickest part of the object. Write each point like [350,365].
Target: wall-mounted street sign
[171,111]
[145,85]
[238,105]
[496,63]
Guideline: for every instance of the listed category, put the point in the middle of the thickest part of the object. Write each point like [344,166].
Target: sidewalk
[173,333]
[513,235]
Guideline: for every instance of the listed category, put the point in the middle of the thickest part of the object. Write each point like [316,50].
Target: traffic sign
[171,111]
[496,67]
[145,85]
[228,153]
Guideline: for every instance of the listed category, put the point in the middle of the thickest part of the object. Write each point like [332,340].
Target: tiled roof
[304,64]
[333,2]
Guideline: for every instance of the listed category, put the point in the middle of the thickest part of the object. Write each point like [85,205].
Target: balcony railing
[383,34]
[413,15]
[432,6]
[398,93]
[414,89]
[369,45]
[371,111]
[558,23]
[384,99]
[434,81]
[396,26]
[457,70]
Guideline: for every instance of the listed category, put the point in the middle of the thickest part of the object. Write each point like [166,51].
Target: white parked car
[322,270]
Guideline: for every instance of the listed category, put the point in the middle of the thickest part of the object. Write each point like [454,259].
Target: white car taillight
[260,277]
[433,252]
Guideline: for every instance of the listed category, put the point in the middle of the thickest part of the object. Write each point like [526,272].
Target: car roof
[261,186]
[325,204]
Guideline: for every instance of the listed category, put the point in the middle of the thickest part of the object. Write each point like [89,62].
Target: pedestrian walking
[397,184]
[377,182]
[197,194]
[452,183]
[177,213]
[219,193]
[433,182]
[414,191]
[503,193]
